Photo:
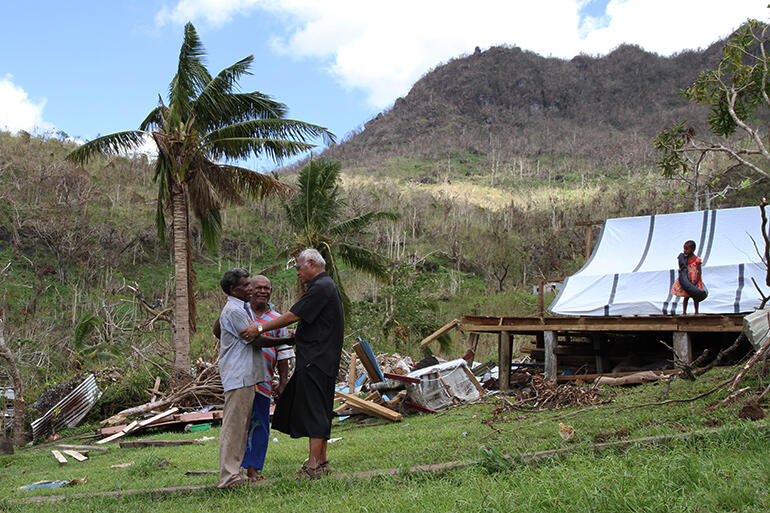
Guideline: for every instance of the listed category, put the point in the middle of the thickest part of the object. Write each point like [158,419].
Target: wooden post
[588,241]
[505,344]
[598,354]
[550,355]
[540,306]
[683,346]
[352,373]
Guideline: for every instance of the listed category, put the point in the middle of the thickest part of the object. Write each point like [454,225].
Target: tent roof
[633,265]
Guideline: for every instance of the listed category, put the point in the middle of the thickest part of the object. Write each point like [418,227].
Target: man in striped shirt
[259,424]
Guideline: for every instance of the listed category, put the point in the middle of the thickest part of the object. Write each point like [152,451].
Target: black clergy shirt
[321,326]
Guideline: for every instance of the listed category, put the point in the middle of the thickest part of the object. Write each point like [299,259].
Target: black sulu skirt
[305,406]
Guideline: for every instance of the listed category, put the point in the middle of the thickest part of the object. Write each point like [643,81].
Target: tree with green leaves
[737,94]
[314,214]
[202,132]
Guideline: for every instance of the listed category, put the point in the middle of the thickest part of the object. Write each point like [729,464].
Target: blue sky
[95,67]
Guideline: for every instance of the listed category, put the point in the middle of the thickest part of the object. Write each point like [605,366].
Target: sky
[92,67]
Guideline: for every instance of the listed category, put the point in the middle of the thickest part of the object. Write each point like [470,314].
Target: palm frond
[202,197]
[112,143]
[239,148]
[235,108]
[154,119]
[318,202]
[250,183]
[359,222]
[191,76]
[270,128]
[211,229]
[163,170]
[363,259]
[85,326]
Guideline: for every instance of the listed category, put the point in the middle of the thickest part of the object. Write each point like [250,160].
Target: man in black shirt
[305,407]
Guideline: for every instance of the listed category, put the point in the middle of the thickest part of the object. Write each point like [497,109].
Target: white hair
[312,255]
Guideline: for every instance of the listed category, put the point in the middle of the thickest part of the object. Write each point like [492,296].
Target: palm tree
[204,130]
[313,214]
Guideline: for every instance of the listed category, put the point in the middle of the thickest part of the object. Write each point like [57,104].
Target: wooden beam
[370,407]
[122,432]
[352,373]
[59,457]
[75,454]
[82,448]
[505,345]
[670,323]
[473,380]
[156,443]
[155,389]
[549,338]
[436,334]
[399,377]
[371,370]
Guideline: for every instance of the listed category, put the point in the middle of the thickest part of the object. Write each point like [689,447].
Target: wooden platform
[547,330]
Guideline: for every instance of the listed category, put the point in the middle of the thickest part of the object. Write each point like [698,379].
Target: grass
[727,471]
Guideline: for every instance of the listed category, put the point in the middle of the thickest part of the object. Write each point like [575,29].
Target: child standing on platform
[693,263]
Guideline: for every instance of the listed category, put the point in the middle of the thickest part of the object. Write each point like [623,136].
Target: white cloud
[18,111]
[384,47]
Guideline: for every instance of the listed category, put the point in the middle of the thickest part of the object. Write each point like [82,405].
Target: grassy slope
[729,471]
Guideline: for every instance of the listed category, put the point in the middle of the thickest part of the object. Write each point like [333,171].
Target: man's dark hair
[232,278]
[690,243]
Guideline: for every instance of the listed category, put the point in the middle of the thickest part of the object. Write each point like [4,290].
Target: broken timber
[436,334]
[138,425]
[75,454]
[59,457]
[370,407]
[157,443]
[172,419]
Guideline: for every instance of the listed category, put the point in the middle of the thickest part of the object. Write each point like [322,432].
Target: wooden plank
[371,369]
[59,457]
[371,408]
[155,389]
[591,377]
[419,407]
[399,377]
[154,418]
[398,399]
[119,434]
[130,444]
[436,334]
[75,454]
[82,448]
[549,338]
[172,419]
[352,374]
[473,380]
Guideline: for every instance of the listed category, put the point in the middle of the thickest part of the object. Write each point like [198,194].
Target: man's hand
[251,331]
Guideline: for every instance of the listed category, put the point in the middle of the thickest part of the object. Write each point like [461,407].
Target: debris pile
[543,394]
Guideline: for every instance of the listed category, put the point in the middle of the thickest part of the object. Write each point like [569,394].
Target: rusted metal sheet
[70,410]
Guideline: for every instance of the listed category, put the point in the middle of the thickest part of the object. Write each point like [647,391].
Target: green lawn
[725,471]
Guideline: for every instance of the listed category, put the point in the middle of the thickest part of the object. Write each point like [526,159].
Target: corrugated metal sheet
[70,410]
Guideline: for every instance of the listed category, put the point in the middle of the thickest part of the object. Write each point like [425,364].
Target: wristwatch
[259,329]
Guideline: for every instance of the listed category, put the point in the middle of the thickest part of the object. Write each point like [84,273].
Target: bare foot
[254,475]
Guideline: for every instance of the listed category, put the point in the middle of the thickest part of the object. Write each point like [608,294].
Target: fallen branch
[668,401]
[758,355]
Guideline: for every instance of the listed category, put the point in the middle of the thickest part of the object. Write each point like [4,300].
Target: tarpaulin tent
[633,265]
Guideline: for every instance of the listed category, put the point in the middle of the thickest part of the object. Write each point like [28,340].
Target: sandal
[326,468]
[309,473]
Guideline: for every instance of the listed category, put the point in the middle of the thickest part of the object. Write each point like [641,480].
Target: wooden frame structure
[550,327]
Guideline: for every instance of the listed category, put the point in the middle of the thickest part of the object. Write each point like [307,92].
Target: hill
[602,109]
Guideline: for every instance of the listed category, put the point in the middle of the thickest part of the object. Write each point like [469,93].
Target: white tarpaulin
[633,265]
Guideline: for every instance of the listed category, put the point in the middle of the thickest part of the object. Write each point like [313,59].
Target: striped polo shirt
[272,354]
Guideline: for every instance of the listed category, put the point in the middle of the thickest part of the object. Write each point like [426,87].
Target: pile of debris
[541,393]
[425,386]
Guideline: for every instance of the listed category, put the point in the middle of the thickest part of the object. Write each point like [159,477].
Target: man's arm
[283,376]
[217,328]
[252,330]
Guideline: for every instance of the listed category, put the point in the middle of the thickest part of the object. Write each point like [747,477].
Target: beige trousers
[232,437]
